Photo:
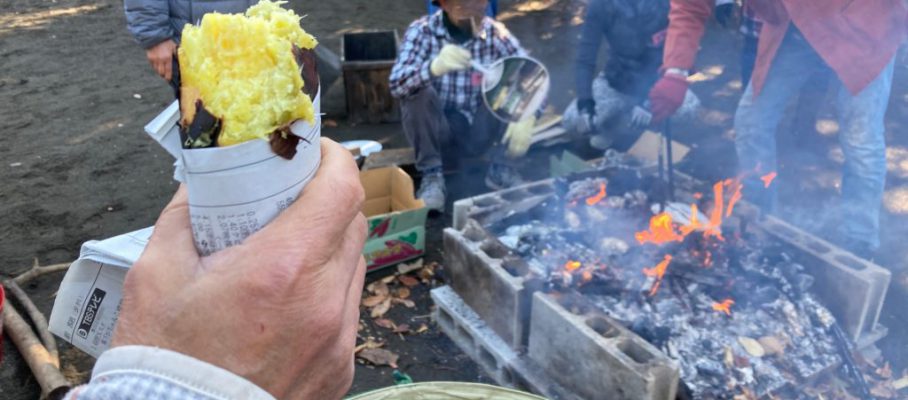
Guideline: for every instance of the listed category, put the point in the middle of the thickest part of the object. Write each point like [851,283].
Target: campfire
[727,303]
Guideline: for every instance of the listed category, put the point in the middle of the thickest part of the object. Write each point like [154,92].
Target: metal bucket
[445,391]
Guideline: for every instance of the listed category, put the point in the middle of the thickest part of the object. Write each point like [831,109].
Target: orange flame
[724,306]
[715,218]
[694,221]
[572,266]
[735,197]
[587,276]
[657,272]
[768,178]
[592,201]
[660,230]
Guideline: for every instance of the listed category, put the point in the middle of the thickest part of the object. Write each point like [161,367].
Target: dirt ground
[75,164]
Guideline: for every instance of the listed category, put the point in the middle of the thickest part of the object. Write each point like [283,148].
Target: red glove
[667,95]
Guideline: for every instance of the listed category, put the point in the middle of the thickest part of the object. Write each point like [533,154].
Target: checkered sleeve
[140,372]
[505,44]
[411,70]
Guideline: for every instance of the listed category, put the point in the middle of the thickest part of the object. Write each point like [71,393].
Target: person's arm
[148,21]
[273,317]
[687,22]
[412,70]
[588,48]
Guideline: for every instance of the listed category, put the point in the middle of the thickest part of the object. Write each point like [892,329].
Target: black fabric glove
[725,14]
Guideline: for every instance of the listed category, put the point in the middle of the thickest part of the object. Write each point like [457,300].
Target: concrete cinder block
[474,265]
[468,331]
[596,357]
[854,289]
[490,207]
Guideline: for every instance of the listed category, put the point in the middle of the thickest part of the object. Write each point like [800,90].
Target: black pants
[434,131]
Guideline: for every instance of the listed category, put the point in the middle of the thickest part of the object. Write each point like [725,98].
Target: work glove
[586,110]
[667,95]
[451,58]
[640,117]
[519,136]
[725,15]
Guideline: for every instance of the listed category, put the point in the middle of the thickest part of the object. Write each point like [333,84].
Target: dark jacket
[635,30]
[154,21]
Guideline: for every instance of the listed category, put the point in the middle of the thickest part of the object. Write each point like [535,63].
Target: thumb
[173,229]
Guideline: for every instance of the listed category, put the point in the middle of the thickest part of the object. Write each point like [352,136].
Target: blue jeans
[861,136]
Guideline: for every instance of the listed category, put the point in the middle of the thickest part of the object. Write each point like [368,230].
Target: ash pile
[723,300]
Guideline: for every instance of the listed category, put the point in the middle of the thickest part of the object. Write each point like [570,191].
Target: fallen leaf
[369,344]
[404,268]
[373,301]
[772,345]
[329,123]
[378,357]
[403,293]
[406,302]
[422,328]
[751,346]
[385,323]
[885,371]
[901,383]
[729,357]
[882,391]
[408,281]
[402,328]
[380,310]
[427,272]
[379,288]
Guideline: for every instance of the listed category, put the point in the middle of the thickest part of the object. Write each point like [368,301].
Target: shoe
[502,177]
[432,191]
[601,141]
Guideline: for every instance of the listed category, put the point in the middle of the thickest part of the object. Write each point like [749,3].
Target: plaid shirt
[457,90]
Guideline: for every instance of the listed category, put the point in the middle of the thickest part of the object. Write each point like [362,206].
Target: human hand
[519,136]
[160,56]
[586,108]
[281,309]
[667,95]
[725,15]
[451,58]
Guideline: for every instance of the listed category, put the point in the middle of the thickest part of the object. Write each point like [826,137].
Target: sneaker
[601,141]
[502,177]
[432,191]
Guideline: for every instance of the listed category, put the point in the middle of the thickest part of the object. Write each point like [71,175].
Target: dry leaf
[422,328]
[388,279]
[380,310]
[901,383]
[405,268]
[378,357]
[772,345]
[751,346]
[882,391]
[373,301]
[370,344]
[379,288]
[885,371]
[403,293]
[427,272]
[406,302]
[729,357]
[408,281]
[402,328]
[329,123]
[385,323]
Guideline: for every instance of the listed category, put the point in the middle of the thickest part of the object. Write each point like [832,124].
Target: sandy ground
[75,164]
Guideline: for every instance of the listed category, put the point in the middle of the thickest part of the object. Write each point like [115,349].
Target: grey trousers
[433,131]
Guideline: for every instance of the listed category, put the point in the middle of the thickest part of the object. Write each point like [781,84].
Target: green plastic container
[445,391]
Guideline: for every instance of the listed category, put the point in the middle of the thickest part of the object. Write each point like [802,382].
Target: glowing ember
[660,230]
[572,266]
[768,178]
[724,306]
[708,261]
[698,196]
[591,201]
[657,272]
[586,276]
[735,196]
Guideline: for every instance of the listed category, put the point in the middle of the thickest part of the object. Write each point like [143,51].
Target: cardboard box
[396,219]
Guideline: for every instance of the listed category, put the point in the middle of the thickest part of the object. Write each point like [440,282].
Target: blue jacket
[154,21]
[635,31]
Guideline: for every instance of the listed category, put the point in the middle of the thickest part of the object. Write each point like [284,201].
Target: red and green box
[396,219]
